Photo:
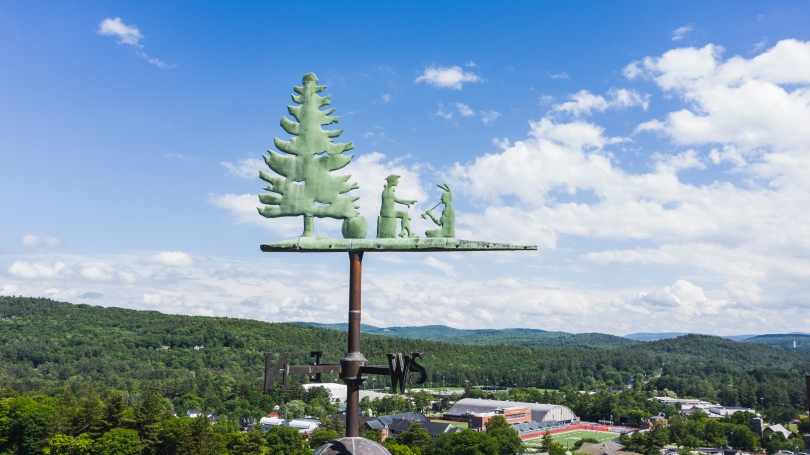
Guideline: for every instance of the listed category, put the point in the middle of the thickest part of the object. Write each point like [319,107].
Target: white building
[302,425]
[690,405]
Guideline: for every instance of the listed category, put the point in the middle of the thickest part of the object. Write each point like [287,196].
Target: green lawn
[570,437]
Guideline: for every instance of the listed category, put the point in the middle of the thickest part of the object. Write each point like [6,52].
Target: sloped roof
[778,428]
[406,416]
[540,412]
[433,428]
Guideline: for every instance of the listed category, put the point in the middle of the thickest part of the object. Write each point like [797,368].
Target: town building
[690,405]
[383,423]
[302,425]
[512,414]
[465,407]
[778,428]
[434,429]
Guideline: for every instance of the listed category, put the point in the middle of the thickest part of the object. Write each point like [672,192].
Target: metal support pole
[353,360]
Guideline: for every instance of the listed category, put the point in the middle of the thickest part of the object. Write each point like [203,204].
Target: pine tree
[114,406]
[65,412]
[320,194]
[148,415]
[545,443]
[89,415]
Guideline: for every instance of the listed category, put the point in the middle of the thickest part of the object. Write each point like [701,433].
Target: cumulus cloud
[686,297]
[41,241]
[755,105]
[452,77]
[126,34]
[585,102]
[9,289]
[130,35]
[27,270]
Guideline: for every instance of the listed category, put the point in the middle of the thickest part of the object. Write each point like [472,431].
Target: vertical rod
[355,285]
[353,388]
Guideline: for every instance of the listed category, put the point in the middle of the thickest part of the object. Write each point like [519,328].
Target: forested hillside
[45,345]
[785,342]
[527,338]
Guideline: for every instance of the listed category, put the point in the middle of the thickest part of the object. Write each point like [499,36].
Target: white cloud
[386,98]
[502,144]
[560,75]
[585,102]
[464,110]
[27,270]
[489,116]
[171,258]
[687,299]
[9,289]
[680,32]
[126,34]
[451,77]
[445,267]
[754,105]
[441,112]
[470,64]
[41,241]
[152,299]
[247,168]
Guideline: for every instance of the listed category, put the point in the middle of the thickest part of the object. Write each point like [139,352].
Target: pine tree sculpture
[306,186]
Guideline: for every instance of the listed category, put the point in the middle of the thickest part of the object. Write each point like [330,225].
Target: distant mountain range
[529,338]
[536,338]
[667,335]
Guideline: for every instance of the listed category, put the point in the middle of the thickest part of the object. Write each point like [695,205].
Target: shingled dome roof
[352,446]
[540,412]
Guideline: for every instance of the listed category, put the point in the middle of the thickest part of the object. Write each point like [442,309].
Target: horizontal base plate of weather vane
[327,244]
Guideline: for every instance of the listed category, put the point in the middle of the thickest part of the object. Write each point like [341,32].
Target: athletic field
[568,438]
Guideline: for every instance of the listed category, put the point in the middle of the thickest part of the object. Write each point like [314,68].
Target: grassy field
[570,437]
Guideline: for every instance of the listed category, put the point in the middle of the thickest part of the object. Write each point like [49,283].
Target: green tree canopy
[118,441]
[285,441]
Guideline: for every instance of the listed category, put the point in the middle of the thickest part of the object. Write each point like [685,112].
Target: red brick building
[514,414]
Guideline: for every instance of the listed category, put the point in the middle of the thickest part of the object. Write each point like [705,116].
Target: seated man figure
[386,223]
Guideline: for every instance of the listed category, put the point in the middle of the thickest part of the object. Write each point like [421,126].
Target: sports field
[568,438]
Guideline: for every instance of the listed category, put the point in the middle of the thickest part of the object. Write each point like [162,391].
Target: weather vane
[304,185]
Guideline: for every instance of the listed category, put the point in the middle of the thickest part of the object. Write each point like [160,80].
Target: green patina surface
[329,244]
[306,186]
[303,185]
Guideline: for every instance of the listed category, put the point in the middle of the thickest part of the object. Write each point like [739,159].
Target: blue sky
[656,152]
